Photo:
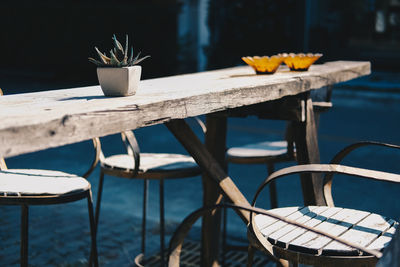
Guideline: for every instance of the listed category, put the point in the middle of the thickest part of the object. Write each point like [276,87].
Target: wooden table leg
[215,142]
[215,179]
[307,152]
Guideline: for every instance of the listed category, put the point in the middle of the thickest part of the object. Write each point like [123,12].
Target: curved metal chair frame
[259,241]
[26,200]
[133,150]
[177,240]
[367,257]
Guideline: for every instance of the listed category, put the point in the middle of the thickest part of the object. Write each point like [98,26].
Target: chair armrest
[132,148]
[322,106]
[338,158]
[345,151]
[200,123]
[328,169]
[175,245]
[97,147]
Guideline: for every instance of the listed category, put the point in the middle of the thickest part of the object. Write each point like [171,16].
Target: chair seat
[370,230]
[152,163]
[33,182]
[262,149]
[258,150]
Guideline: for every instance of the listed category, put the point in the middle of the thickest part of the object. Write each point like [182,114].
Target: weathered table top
[367,229]
[35,121]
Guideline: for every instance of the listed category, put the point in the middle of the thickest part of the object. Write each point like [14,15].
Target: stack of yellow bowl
[265,64]
[269,65]
[300,62]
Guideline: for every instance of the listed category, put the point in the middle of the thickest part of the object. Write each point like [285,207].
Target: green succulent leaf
[141,59]
[119,56]
[103,58]
[117,44]
[130,57]
[118,50]
[126,50]
[114,61]
[96,62]
[133,62]
[137,60]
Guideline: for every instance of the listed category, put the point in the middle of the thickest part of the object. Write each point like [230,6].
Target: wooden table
[35,121]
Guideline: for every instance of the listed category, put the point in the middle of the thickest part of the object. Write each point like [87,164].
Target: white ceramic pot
[119,81]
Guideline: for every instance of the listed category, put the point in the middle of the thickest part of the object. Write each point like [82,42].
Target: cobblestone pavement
[59,235]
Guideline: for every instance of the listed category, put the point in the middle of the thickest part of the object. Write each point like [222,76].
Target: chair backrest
[289,137]
[321,100]
[339,157]
[132,146]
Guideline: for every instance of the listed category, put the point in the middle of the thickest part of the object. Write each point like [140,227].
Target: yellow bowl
[300,62]
[265,64]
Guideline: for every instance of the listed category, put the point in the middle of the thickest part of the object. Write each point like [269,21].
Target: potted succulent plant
[119,74]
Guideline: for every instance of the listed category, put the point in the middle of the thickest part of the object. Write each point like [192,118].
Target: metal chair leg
[140,258]
[24,235]
[224,233]
[250,256]
[162,223]
[98,200]
[144,217]
[272,188]
[93,260]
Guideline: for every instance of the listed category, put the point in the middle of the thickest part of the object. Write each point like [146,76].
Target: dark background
[52,40]
[340,29]
[45,44]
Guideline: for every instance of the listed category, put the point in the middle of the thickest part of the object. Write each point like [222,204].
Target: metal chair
[296,245]
[26,187]
[315,235]
[273,152]
[146,166]
[270,153]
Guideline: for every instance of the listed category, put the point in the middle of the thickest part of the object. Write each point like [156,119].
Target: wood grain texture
[36,121]
[358,227]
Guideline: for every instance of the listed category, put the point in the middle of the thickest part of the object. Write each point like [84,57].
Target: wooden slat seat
[367,229]
[33,182]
